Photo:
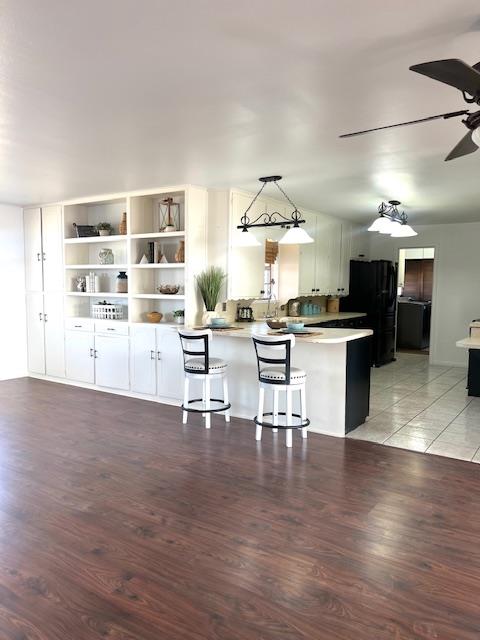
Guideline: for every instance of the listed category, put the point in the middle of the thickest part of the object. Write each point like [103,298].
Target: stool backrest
[195,344]
[274,350]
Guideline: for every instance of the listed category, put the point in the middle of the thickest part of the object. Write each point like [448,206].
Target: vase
[207,317]
[122,282]
[180,254]
[103,232]
[122,229]
[106,256]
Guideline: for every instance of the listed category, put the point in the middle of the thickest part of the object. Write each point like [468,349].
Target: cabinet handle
[44,256]
[77,326]
[95,353]
[91,353]
[110,329]
[158,355]
[45,317]
[40,316]
[38,257]
[152,355]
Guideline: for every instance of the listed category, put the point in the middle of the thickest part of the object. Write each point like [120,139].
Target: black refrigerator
[373,290]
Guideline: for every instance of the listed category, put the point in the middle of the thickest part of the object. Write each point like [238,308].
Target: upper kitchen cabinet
[43,249]
[308,257]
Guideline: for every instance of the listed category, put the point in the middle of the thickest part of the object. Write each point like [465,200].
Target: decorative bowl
[276,324]
[218,322]
[295,326]
[168,289]
[154,316]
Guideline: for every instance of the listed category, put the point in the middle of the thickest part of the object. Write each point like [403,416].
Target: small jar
[106,256]
[122,282]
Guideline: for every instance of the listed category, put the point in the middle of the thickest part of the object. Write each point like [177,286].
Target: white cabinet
[32,222]
[54,335]
[52,248]
[346,254]
[169,363]
[157,362]
[112,362]
[35,333]
[143,360]
[307,257]
[79,356]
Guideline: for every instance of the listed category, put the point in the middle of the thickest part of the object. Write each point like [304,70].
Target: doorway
[415,292]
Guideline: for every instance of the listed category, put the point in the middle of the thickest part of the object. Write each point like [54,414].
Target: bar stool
[198,365]
[279,376]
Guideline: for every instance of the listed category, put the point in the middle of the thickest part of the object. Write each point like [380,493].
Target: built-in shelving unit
[145,239]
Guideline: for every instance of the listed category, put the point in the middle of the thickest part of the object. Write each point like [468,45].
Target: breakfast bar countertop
[319,335]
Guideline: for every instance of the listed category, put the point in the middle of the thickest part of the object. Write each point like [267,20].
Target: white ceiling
[126,94]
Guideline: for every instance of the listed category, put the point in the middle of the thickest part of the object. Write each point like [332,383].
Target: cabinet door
[325,247]
[246,267]
[54,335]
[334,234]
[79,356]
[32,222]
[307,258]
[169,364]
[143,358]
[111,362]
[52,242]
[35,333]
[345,257]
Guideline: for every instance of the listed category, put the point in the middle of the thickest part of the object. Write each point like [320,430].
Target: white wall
[456,286]
[13,332]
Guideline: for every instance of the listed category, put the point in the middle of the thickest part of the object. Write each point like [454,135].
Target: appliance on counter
[244,314]
[413,324]
[373,290]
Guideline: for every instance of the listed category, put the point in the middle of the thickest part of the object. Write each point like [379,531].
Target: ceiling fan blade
[453,72]
[441,116]
[463,148]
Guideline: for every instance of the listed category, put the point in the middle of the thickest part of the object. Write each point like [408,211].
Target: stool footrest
[269,425]
[223,407]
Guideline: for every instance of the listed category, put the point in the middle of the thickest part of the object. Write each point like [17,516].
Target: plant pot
[207,317]
[103,232]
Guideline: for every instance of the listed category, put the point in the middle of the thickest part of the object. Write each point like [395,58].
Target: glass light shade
[387,227]
[246,239]
[404,231]
[295,235]
[394,226]
[380,223]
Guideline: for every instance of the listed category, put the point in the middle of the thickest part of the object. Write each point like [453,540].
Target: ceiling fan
[462,76]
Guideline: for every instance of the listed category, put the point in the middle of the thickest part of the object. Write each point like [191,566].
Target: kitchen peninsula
[337,363]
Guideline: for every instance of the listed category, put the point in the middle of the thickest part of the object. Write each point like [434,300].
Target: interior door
[52,253]
[169,364]
[32,222]
[143,357]
[54,335]
[111,362]
[79,356]
[35,332]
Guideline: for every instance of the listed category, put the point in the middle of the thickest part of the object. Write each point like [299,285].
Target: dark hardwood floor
[118,522]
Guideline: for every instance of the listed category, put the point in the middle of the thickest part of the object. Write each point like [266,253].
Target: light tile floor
[422,407]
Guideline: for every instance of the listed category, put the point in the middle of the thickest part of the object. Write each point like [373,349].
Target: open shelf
[95,239]
[92,213]
[158,296]
[99,267]
[160,265]
[158,234]
[146,215]
[101,294]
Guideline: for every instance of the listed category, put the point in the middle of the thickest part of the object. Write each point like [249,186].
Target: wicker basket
[107,311]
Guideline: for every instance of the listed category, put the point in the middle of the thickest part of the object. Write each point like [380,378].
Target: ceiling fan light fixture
[296,235]
[377,223]
[404,231]
[391,222]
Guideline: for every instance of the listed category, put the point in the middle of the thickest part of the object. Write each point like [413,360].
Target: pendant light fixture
[294,234]
[391,222]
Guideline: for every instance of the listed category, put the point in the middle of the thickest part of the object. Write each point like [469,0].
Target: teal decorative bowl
[295,326]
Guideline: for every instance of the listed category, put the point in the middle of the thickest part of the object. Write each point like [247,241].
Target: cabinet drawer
[108,328]
[79,324]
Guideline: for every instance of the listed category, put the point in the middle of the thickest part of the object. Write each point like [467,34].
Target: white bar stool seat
[198,365]
[276,374]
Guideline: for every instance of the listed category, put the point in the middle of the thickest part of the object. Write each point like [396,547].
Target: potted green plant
[209,283]
[178,316]
[104,228]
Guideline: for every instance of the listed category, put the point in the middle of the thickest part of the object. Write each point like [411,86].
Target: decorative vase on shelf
[106,256]
[122,229]
[180,254]
[122,282]
[103,232]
